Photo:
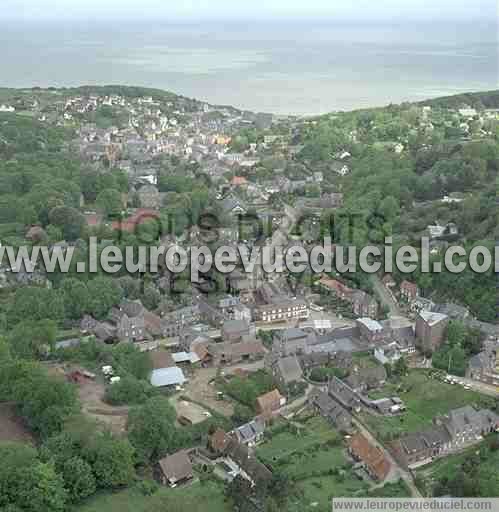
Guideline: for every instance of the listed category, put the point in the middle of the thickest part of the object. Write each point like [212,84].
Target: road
[385,296]
[481,387]
[289,410]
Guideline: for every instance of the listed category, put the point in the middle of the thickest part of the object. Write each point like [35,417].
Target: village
[327,380]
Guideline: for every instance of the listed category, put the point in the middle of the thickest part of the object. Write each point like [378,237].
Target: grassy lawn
[314,458]
[425,398]
[199,497]
[365,360]
[285,444]
[247,390]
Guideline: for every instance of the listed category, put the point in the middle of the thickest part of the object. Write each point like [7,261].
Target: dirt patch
[199,388]
[11,426]
[91,393]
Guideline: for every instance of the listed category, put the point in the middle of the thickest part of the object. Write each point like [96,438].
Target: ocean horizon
[300,68]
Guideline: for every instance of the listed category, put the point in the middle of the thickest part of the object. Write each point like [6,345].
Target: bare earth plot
[11,426]
[91,395]
[200,389]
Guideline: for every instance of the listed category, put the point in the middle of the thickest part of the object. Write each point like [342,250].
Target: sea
[281,67]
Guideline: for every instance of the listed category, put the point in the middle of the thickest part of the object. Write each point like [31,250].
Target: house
[430,330]
[386,406]
[331,201]
[371,457]
[485,365]
[419,448]
[286,370]
[234,206]
[282,310]
[185,357]
[409,291]
[314,360]
[273,306]
[234,330]
[250,434]
[161,359]
[364,305]
[388,281]
[340,168]
[218,442]
[453,311]
[421,304]
[332,412]
[437,231]
[270,402]
[467,425]
[233,353]
[401,331]
[247,464]
[239,181]
[370,330]
[176,469]
[291,341]
[468,112]
[388,354]
[167,377]
[152,324]
[334,286]
[362,380]
[452,432]
[129,320]
[344,395]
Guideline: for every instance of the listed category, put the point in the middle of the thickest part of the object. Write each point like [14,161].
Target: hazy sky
[244,9]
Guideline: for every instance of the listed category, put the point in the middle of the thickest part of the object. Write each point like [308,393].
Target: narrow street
[384,295]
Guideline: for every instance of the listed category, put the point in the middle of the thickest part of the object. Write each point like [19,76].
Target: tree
[44,402]
[240,492]
[35,303]
[109,200]
[15,458]
[71,222]
[27,483]
[43,489]
[33,340]
[400,367]
[242,414]
[76,298]
[129,360]
[104,293]
[130,286]
[456,333]
[151,298]
[112,460]
[129,391]
[151,428]
[78,479]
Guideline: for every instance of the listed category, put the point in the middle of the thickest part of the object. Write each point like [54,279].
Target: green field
[425,398]
[316,432]
[199,497]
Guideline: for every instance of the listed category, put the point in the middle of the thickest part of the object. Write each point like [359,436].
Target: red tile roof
[370,455]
